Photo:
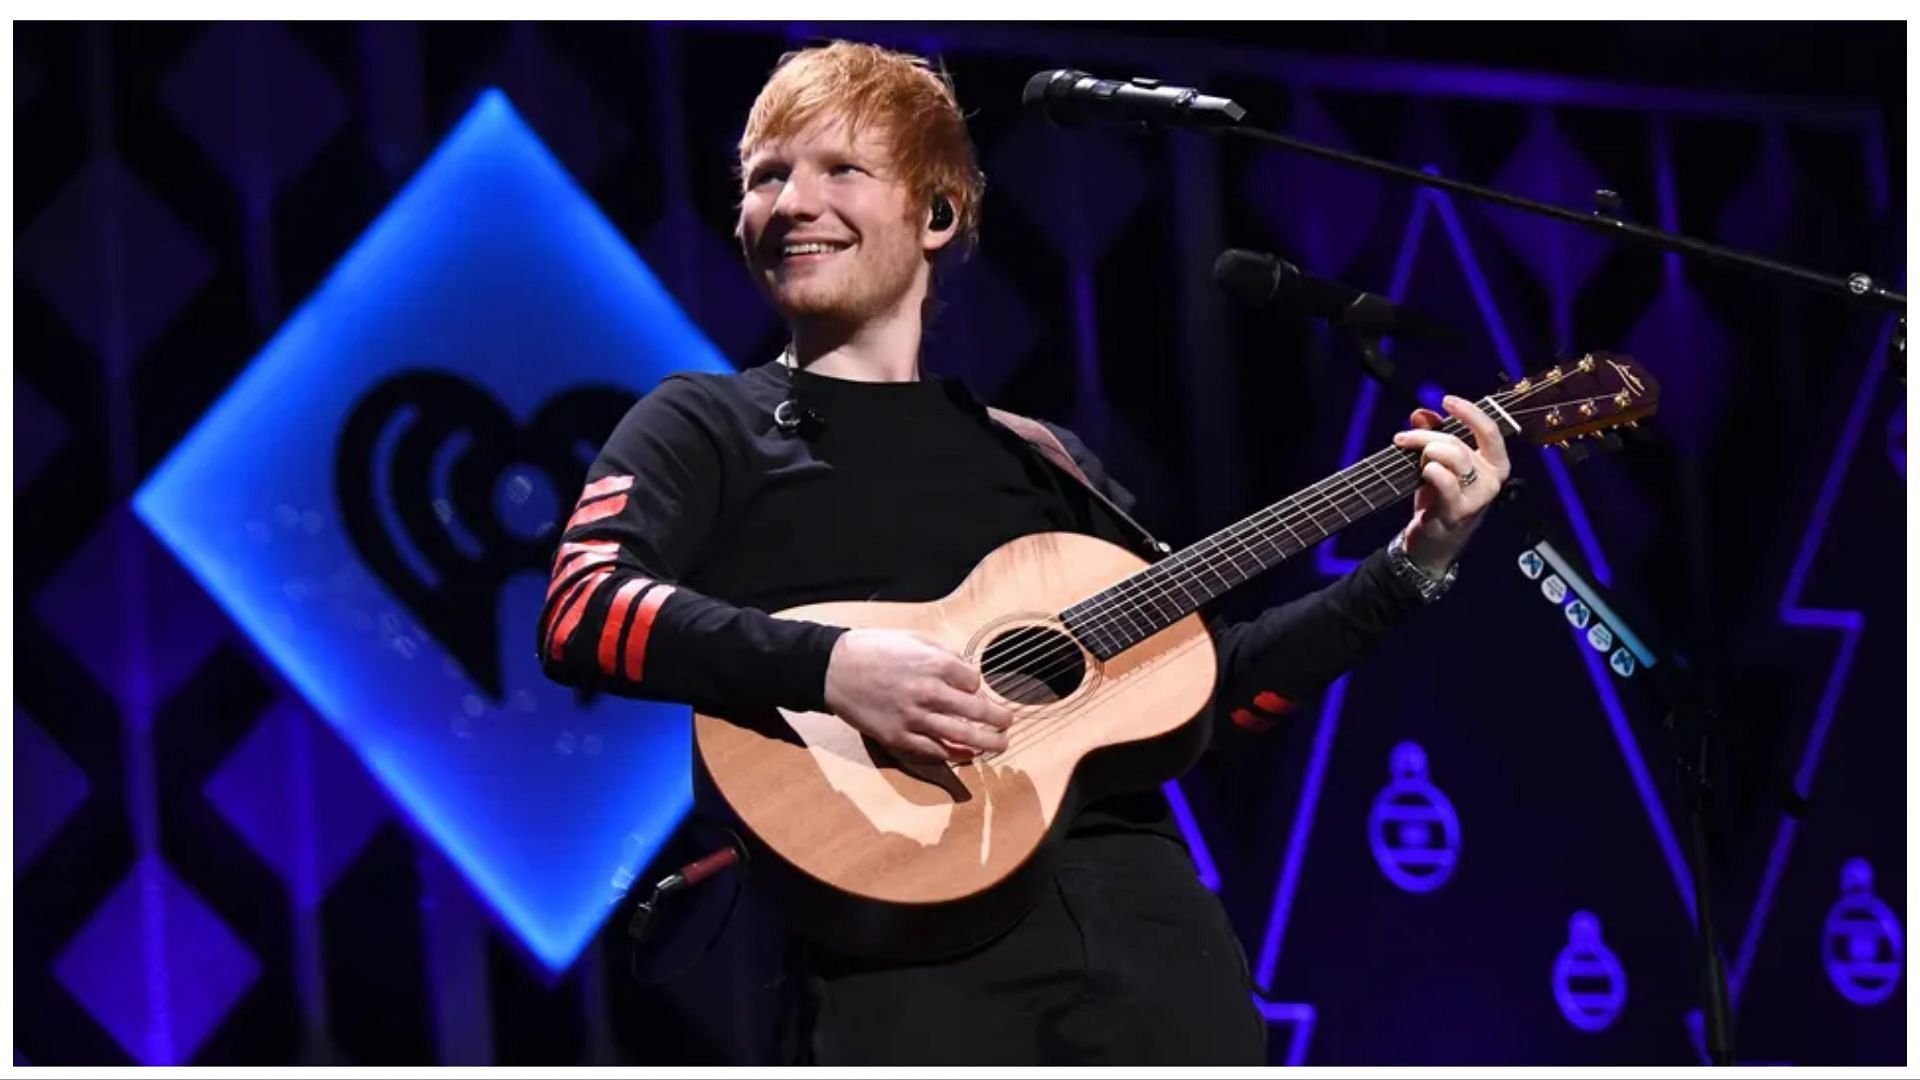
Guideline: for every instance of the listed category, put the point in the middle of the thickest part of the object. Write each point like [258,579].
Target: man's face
[827,230]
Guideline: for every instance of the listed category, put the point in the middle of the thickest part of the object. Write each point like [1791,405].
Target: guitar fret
[1296,536]
[1244,574]
[1276,544]
[1222,583]
[1183,588]
[1357,490]
[1386,481]
[1111,626]
[1232,564]
[1165,607]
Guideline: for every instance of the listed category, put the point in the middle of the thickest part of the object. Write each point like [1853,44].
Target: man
[839,471]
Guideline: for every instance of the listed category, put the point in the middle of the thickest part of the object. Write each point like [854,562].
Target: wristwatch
[1429,587]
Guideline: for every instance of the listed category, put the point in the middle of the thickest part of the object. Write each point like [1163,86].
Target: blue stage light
[491,269]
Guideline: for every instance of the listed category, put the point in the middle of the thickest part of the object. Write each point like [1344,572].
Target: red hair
[901,95]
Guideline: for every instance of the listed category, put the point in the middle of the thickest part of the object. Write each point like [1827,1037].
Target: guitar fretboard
[1135,609]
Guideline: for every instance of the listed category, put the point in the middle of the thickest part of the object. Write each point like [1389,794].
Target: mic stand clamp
[1367,320]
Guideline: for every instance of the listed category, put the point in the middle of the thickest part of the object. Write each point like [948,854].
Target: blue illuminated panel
[474,312]
[1413,829]
[1586,611]
[1588,981]
[1862,944]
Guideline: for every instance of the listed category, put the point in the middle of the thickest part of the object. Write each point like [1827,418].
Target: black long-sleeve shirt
[700,517]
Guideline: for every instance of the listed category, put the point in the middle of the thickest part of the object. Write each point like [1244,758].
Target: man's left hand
[1458,483]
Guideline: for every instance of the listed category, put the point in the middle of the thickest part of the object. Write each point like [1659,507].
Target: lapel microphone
[791,416]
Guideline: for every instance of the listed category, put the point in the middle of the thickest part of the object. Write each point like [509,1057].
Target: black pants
[1127,960]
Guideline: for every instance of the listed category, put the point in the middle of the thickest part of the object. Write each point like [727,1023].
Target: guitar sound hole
[1033,665]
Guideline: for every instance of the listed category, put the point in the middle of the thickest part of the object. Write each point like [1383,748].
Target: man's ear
[938,230]
[931,241]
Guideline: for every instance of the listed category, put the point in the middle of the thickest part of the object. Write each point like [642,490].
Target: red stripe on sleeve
[1271,703]
[590,512]
[606,485]
[616,617]
[574,608]
[568,551]
[642,626]
[576,557]
[1252,721]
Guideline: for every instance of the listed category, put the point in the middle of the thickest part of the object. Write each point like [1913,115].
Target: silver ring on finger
[1467,478]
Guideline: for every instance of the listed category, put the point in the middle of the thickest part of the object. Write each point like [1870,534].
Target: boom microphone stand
[1858,289]
[1071,98]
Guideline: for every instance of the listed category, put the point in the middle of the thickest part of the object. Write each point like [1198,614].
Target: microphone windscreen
[1247,276]
[1036,88]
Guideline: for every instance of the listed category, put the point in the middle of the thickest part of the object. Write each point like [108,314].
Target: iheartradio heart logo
[444,495]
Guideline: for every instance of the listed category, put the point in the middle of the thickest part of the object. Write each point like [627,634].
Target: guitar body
[877,857]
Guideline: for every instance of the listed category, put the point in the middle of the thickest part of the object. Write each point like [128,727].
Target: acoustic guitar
[1104,663]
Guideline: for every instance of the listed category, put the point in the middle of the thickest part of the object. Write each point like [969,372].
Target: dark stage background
[214,865]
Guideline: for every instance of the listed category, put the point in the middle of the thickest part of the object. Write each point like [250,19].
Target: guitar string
[1036,723]
[1313,501]
[1052,722]
[1014,749]
[1033,732]
[1157,579]
[1063,658]
[1337,492]
[1065,655]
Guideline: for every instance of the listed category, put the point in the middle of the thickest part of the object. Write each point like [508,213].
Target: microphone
[733,853]
[1071,98]
[1266,281]
[793,418]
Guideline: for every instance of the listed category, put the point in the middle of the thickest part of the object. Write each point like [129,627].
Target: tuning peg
[1576,451]
[1610,441]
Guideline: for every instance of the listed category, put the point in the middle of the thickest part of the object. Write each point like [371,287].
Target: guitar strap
[1038,436]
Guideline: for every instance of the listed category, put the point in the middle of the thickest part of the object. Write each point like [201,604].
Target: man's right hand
[913,696]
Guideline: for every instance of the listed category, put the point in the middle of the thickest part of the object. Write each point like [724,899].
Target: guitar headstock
[1596,393]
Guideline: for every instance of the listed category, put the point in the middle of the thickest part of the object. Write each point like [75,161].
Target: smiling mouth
[807,253]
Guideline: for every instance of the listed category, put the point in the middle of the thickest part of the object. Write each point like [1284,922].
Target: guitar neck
[1142,605]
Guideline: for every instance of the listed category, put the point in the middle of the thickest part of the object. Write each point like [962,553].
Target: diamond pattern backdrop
[211,867]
